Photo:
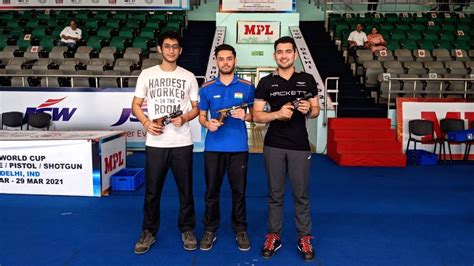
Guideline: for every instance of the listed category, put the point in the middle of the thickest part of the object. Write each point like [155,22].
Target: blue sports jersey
[214,96]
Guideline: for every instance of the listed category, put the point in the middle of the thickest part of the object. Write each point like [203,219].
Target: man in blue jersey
[226,147]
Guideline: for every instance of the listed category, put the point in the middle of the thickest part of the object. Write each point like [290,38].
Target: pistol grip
[221,118]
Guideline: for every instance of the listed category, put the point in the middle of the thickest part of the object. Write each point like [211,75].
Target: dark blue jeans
[70,45]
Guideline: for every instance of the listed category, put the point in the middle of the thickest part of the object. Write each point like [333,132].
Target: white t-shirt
[359,37]
[77,33]
[165,93]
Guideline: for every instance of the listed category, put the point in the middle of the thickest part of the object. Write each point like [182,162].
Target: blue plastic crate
[461,135]
[128,179]
[422,157]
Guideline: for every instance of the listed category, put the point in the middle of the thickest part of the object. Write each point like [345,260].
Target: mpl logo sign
[258,31]
[114,161]
[57,114]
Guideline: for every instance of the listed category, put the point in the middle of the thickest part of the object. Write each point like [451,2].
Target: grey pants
[279,162]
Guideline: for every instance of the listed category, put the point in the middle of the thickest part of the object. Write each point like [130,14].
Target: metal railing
[72,77]
[360,7]
[395,6]
[335,102]
[440,92]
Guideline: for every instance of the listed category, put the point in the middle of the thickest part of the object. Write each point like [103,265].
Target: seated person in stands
[357,40]
[70,35]
[375,41]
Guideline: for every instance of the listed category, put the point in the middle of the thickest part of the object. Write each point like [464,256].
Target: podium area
[403,216]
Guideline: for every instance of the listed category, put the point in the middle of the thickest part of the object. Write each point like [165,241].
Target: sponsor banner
[47,167]
[219,37]
[432,109]
[309,66]
[258,32]
[400,117]
[97,109]
[113,159]
[257,6]
[155,4]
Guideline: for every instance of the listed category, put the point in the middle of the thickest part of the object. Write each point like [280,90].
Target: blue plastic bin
[461,135]
[128,179]
[422,157]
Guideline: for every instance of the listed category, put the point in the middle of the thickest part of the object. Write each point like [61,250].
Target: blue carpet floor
[419,215]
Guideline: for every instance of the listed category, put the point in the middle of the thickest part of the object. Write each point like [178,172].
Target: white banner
[155,4]
[73,109]
[47,167]
[257,6]
[436,111]
[219,37]
[258,32]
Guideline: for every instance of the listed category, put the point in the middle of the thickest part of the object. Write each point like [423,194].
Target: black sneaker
[143,245]
[271,245]
[306,249]
[243,242]
[189,240]
[207,240]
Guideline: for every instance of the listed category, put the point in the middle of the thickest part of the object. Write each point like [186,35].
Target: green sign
[257,53]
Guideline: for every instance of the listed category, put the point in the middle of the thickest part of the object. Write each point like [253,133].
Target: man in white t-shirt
[70,35]
[167,88]
[357,40]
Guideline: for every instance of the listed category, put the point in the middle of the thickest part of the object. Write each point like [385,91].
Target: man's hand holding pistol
[158,125]
[237,112]
[303,105]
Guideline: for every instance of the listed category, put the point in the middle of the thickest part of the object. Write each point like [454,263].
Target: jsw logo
[113,161]
[127,115]
[63,114]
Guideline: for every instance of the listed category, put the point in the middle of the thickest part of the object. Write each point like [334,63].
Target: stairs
[354,101]
[364,142]
[197,42]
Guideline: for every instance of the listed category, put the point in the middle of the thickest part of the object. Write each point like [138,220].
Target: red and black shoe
[271,245]
[305,247]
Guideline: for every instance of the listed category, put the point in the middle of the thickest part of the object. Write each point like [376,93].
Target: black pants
[373,7]
[216,164]
[158,161]
[462,4]
[353,50]
[443,5]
